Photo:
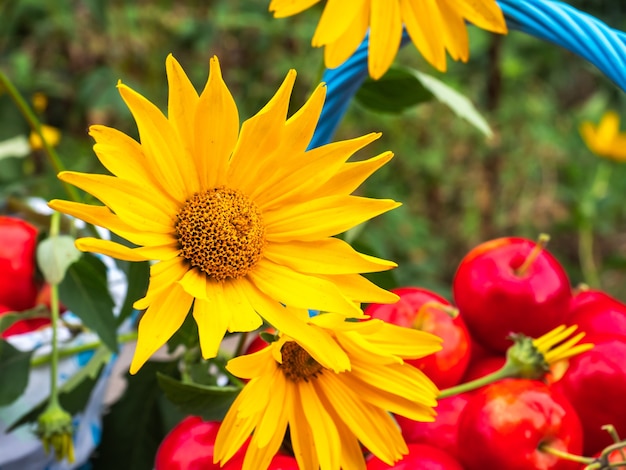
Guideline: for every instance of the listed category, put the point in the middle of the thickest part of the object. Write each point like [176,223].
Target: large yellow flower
[330,413]
[239,222]
[433,25]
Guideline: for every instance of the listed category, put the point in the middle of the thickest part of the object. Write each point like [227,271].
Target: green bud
[55,430]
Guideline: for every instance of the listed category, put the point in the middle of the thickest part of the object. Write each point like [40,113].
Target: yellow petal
[260,137]
[355,286]
[325,436]
[163,275]
[324,217]
[328,256]
[299,179]
[385,36]
[283,8]
[124,198]
[302,436]
[195,283]
[318,343]
[244,317]
[337,17]
[259,364]
[159,323]
[103,217]
[352,175]
[211,327]
[485,14]
[455,33]
[340,50]
[181,104]
[109,248]
[161,146]
[216,129]
[299,290]
[424,23]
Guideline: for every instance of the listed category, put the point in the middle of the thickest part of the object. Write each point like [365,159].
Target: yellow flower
[558,344]
[239,222]
[330,413]
[605,140]
[52,135]
[433,25]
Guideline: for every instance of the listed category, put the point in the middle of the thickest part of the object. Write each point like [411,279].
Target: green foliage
[136,423]
[84,291]
[209,401]
[14,364]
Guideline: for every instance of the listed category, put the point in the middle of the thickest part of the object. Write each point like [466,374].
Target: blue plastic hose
[549,20]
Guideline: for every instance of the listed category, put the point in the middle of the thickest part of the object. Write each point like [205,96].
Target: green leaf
[74,393]
[210,402]
[138,274]
[85,292]
[55,255]
[14,371]
[7,319]
[457,102]
[394,92]
[135,426]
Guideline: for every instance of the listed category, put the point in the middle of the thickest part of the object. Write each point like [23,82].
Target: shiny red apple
[510,285]
[597,312]
[505,424]
[420,457]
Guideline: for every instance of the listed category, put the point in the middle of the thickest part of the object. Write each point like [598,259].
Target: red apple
[427,311]
[420,456]
[596,312]
[510,285]
[595,383]
[441,433]
[504,425]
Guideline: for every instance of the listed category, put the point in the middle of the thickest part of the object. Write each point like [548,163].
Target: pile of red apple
[20,287]
[504,286]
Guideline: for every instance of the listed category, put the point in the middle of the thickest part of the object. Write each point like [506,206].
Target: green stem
[241,344]
[35,125]
[504,373]
[55,222]
[585,254]
[65,352]
[565,455]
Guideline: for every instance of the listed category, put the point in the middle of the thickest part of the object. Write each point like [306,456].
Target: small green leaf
[55,255]
[7,319]
[14,371]
[394,92]
[85,292]
[457,102]
[209,401]
[17,146]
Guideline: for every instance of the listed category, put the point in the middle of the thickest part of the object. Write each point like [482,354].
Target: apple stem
[566,455]
[542,241]
[452,311]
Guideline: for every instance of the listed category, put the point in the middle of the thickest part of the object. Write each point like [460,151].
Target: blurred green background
[458,189]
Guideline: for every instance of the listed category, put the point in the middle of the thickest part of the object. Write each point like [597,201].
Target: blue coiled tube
[551,21]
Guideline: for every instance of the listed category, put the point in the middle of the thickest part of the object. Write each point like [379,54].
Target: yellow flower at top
[605,139]
[52,135]
[435,26]
[330,412]
[239,222]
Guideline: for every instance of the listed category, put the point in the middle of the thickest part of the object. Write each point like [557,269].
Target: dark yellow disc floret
[220,232]
[298,364]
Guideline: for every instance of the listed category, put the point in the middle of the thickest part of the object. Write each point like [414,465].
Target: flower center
[220,232]
[298,364]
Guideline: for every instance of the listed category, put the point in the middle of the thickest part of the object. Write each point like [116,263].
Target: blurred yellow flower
[330,413]
[605,139]
[240,223]
[433,25]
[52,135]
